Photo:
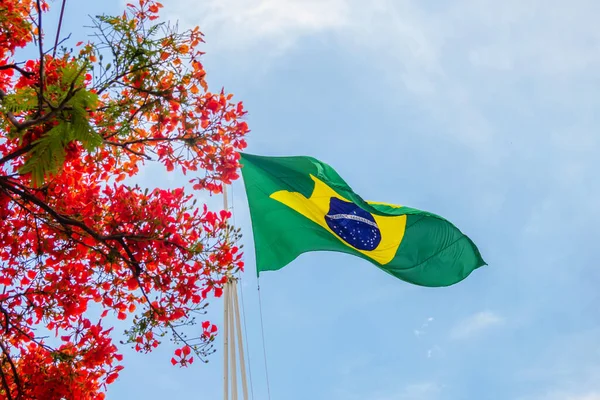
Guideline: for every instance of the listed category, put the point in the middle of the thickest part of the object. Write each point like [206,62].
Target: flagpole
[231,323]
[225,342]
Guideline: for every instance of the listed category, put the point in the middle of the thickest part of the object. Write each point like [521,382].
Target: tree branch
[9,115]
[16,67]
[124,146]
[14,370]
[6,319]
[16,153]
[68,222]
[116,78]
[157,93]
[5,384]
[136,269]
[43,118]
[41,47]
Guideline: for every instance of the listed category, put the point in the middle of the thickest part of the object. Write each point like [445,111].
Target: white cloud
[451,58]
[270,24]
[423,329]
[433,351]
[475,324]
[537,37]
[453,49]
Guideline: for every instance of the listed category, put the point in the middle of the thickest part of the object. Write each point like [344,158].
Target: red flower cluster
[81,237]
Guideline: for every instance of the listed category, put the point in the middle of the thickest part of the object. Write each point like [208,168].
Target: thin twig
[58,44]
[60,19]
[41,47]
[124,146]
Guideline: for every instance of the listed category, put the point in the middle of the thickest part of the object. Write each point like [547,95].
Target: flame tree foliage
[77,243]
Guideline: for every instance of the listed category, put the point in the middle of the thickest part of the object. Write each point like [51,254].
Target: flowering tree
[77,243]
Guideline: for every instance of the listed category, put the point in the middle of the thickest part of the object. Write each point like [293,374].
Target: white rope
[232,366]
[246,336]
[238,326]
[262,331]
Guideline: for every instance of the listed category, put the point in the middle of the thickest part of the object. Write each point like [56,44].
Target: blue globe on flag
[353,225]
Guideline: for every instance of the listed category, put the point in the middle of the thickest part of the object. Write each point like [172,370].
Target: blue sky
[482,111]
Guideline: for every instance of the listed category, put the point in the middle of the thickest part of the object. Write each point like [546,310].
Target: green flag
[300,204]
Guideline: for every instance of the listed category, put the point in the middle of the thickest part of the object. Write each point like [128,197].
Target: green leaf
[47,155]
[80,128]
[23,100]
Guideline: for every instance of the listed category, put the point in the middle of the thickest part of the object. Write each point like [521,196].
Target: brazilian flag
[300,204]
